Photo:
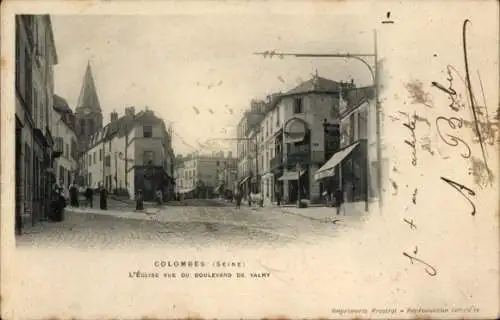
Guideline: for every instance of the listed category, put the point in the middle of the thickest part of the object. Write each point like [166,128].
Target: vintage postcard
[250,160]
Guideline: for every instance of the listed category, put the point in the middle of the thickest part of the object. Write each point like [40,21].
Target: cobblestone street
[187,225]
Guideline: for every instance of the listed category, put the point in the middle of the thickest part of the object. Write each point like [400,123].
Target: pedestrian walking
[278,198]
[238,199]
[249,199]
[89,196]
[73,195]
[159,197]
[339,200]
[139,201]
[103,198]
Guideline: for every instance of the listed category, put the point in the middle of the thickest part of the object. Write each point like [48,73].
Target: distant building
[198,174]
[63,129]
[245,150]
[131,153]
[227,176]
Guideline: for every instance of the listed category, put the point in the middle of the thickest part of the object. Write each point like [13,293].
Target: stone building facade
[34,89]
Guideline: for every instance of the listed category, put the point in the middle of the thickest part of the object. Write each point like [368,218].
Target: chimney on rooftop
[113,116]
[130,111]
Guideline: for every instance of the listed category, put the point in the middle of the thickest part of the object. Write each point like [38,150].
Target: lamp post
[374,74]
[298,166]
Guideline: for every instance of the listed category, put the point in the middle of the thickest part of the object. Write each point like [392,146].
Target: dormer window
[147,131]
[297,105]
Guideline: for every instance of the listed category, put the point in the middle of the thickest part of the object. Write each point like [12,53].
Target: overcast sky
[171,63]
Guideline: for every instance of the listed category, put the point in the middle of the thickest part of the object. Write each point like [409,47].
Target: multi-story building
[131,153]
[299,131]
[292,140]
[35,57]
[246,147]
[63,129]
[227,176]
[356,160]
[198,174]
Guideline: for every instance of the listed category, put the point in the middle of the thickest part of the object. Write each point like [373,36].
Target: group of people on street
[335,199]
[74,193]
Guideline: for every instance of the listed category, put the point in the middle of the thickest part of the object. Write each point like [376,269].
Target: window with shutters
[28,85]
[147,131]
[297,105]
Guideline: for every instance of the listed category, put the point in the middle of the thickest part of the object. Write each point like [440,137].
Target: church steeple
[88,98]
[88,111]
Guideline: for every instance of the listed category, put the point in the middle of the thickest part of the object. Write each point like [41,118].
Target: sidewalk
[352,210]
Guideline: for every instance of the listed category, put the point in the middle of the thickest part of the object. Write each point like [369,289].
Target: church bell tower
[88,113]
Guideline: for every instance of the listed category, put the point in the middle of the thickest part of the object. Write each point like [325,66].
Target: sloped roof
[122,126]
[60,104]
[88,95]
[315,84]
[356,95]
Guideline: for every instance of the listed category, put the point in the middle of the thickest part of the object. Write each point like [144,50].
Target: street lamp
[374,74]
[298,167]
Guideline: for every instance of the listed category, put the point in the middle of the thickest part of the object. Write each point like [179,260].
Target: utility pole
[116,171]
[256,165]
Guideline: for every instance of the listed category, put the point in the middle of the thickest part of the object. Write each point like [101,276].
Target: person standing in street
[139,201]
[278,198]
[73,195]
[339,200]
[103,201]
[238,199]
[89,195]
[159,197]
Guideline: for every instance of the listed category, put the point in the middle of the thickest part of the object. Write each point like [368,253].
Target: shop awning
[290,175]
[328,169]
[268,175]
[218,188]
[244,180]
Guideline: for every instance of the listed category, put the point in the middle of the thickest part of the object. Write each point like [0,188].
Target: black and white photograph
[222,141]
[310,159]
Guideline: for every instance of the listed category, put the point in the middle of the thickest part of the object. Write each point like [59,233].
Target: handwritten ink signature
[411,124]
[428,268]
[454,140]
[459,187]
[480,128]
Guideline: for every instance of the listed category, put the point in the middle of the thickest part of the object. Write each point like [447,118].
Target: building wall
[315,108]
[35,57]
[66,160]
